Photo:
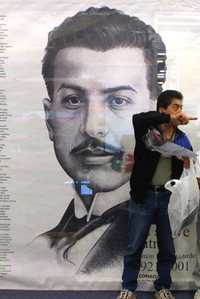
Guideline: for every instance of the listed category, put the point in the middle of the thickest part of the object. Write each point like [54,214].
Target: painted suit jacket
[110,246]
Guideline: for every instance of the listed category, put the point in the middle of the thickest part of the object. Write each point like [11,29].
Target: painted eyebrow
[71,86]
[118,88]
[106,90]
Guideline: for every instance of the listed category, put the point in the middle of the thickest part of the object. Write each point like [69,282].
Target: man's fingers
[184,119]
[198,181]
[192,118]
[186,162]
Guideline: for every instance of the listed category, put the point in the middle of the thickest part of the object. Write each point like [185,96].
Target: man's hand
[181,119]
[186,162]
[198,181]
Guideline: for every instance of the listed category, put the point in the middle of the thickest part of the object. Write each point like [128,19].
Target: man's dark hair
[102,29]
[166,97]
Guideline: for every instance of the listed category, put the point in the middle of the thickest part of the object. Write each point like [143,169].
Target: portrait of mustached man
[100,67]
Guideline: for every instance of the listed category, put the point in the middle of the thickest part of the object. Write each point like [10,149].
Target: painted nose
[94,123]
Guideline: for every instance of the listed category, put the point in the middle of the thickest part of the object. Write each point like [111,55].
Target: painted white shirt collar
[102,202]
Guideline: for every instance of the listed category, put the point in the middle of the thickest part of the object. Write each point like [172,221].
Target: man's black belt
[154,188]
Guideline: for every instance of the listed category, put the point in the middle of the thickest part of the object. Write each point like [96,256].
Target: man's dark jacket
[145,159]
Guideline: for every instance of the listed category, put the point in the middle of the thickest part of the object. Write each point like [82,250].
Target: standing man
[149,203]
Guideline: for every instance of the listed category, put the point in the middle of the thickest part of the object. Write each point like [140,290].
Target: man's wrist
[174,120]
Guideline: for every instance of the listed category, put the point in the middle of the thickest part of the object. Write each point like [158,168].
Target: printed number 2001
[178,266]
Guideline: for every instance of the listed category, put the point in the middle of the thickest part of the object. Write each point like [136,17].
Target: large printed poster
[72,74]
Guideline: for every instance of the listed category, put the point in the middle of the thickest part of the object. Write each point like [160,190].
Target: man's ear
[161,110]
[47,109]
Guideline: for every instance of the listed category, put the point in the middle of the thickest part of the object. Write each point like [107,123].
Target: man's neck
[168,131]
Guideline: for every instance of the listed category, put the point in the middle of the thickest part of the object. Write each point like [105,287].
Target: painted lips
[93,153]
[97,160]
[96,155]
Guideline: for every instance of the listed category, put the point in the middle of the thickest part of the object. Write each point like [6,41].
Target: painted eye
[72,102]
[117,102]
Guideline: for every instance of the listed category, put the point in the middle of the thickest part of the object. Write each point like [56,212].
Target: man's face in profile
[95,95]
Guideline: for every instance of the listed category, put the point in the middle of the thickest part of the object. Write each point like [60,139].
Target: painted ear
[47,109]
[152,105]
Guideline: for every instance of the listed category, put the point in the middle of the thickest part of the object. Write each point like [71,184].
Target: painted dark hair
[167,96]
[102,29]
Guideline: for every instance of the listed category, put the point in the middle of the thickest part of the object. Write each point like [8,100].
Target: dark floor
[79,295]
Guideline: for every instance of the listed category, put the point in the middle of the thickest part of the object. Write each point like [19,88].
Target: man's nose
[94,120]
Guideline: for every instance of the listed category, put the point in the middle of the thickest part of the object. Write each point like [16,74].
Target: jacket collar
[178,132]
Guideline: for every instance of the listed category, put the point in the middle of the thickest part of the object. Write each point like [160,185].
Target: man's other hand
[198,181]
[186,162]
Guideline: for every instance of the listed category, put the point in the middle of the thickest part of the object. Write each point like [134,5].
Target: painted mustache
[96,147]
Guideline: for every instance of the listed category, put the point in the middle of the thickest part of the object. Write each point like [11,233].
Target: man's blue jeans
[141,216]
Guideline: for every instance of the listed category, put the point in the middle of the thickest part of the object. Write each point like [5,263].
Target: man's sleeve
[145,120]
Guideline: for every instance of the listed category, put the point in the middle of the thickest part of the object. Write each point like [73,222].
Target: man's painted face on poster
[95,95]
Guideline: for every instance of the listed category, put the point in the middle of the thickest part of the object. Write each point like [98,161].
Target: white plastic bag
[184,200]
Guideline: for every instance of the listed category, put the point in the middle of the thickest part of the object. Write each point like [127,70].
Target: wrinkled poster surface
[66,137]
